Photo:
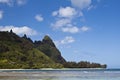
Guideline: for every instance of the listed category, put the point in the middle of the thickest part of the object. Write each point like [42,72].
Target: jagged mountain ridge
[20,52]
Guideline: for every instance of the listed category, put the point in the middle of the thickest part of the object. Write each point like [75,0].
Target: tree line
[83,64]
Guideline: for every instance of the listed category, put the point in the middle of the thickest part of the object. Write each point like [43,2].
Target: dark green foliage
[3,48]
[83,64]
[25,37]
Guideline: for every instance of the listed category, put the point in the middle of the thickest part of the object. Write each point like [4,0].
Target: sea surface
[60,74]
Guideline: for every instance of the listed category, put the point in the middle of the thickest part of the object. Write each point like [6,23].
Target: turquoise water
[61,74]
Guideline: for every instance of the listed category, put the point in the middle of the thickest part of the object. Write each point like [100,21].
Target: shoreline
[63,69]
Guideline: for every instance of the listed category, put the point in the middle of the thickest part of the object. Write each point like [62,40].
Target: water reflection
[59,75]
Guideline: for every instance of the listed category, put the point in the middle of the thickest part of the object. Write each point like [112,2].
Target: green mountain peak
[48,47]
[46,37]
[48,40]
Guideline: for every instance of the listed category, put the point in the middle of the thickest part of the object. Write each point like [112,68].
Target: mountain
[48,47]
[19,52]
[22,53]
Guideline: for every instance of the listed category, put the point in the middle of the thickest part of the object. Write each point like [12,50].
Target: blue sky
[86,30]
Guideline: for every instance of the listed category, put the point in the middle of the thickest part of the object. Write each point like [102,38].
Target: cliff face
[20,52]
[48,47]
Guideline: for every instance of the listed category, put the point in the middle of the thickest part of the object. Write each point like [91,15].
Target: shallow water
[61,74]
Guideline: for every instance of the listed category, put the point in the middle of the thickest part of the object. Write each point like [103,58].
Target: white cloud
[81,3]
[4,1]
[8,2]
[39,18]
[71,29]
[65,17]
[66,40]
[1,14]
[55,13]
[84,28]
[74,29]
[61,23]
[13,2]
[66,12]
[19,30]
[20,2]
[65,25]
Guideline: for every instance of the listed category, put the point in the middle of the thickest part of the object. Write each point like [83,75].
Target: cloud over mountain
[19,30]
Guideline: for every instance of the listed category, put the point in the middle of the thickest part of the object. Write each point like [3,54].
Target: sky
[83,30]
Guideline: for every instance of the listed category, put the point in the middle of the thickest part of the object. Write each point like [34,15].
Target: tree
[11,31]
[25,36]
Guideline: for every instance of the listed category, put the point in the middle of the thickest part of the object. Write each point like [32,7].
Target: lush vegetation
[83,64]
[21,52]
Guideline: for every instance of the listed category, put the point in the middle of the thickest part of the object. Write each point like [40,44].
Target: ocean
[60,74]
